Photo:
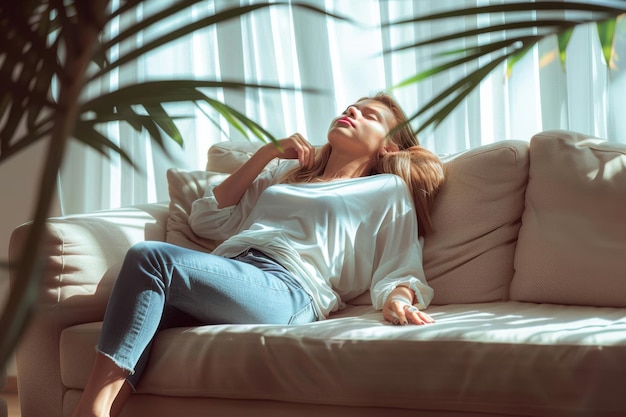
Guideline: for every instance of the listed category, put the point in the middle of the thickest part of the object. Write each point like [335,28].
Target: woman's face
[362,128]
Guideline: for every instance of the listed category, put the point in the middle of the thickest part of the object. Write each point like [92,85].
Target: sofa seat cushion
[507,357]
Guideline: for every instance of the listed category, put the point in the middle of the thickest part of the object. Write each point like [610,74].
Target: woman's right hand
[293,147]
[230,191]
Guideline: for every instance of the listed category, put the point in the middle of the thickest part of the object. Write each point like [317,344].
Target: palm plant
[514,39]
[51,51]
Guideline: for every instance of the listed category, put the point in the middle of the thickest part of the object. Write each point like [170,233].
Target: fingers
[416,316]
[297,147]
[405,313]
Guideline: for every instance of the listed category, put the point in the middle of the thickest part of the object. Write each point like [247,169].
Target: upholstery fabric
[476,217]
[572,243]
[226,157]
[185,187]
[490,357]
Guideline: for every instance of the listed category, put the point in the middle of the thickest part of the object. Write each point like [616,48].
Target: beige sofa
[528,264]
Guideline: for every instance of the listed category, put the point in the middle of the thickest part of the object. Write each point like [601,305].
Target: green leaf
[255,128]
[474,54]
[512,8]
[169,92]
[528,32]
[160,92]
[563,39]
[189,28]
[515,58]
[124,112]
[144,23]
[85,132]
[151,96]
[41,130]
[136,121]
[556,25]
[462,88]
[164,121]
[606,32]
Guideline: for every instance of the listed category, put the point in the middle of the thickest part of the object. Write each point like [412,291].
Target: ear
[389,146]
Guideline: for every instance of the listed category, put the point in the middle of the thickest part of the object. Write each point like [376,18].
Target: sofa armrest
[81,257]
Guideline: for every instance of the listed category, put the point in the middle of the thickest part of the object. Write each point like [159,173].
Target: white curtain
[291,46]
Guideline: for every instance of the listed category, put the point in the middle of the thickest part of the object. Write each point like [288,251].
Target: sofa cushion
[492,358]
[185,187]
[226,157]
[572,243]
[476,217]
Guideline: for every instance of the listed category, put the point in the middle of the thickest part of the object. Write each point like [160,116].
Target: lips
[346,121]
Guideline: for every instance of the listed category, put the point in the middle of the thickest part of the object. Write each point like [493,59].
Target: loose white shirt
[340,238]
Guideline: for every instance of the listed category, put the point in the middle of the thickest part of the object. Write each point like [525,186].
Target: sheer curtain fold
[290,46]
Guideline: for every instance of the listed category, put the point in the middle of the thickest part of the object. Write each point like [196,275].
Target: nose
[353,111]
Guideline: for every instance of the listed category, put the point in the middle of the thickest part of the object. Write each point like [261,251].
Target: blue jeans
[162,285]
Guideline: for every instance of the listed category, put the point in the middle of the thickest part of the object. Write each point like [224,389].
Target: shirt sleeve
[400,259]
[209,221]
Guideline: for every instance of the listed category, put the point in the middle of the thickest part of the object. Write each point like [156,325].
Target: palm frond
[178,33]
[151,96]
[86,133]
[519,35]
[606,33]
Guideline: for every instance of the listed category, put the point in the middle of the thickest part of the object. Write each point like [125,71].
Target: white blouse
[341,238]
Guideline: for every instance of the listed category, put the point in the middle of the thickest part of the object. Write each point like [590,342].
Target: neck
[346,167]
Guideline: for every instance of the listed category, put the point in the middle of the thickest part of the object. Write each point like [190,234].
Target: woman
[319,228]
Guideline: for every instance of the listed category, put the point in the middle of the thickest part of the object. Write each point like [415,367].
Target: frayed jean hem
[117,363]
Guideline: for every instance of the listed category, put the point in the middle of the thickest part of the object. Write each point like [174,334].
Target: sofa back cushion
[226,157]
[572,243]
[185,187]
[476,217]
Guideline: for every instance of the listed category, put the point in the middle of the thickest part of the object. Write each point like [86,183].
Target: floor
[13,403]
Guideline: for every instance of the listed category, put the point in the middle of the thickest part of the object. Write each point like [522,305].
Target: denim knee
[142,251]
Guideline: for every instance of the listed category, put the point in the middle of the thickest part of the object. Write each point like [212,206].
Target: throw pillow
[184,188]
[228,156]
[476,217]
[572,243]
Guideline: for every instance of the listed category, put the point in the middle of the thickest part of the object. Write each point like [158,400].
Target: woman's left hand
[398,308]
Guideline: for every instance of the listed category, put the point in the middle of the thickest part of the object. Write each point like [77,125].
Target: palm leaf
[164,121]
[86,133]
[509,8]
[461,88]
[524,32]
[237,117]
[187,29]
[563,39]
[152,95]
[606,33]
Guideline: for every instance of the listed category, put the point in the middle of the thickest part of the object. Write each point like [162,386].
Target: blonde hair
[422,171]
